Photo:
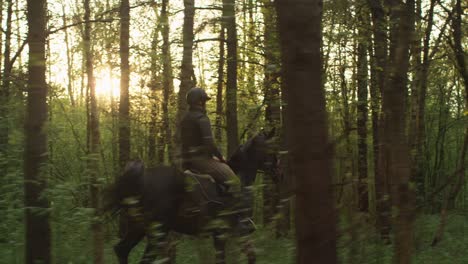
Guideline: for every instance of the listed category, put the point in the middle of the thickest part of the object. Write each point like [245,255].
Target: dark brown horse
[162,199]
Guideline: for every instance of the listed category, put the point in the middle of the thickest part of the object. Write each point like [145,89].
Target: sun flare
[107,86]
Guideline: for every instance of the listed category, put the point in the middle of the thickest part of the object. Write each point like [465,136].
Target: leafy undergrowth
[367,247]
[200,250]
[453,249]
[75,245]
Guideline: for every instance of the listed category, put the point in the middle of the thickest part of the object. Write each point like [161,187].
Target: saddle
[245,224]
[220,187]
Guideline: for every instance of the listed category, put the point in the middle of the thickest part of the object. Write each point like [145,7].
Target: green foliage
[452,248]
[68,190]
[366,247]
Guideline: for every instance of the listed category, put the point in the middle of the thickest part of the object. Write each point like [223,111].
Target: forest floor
[364,248]
[367,247]
[453,249]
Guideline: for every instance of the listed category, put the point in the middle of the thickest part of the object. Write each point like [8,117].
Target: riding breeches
[220,172]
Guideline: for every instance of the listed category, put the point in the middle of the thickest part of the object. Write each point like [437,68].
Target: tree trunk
[271,69]
[307,129]
[379,69]
[94,143]
[219,88]
[229,15]
[186,72]
[37,231]
[167,79]
[124,105]
[19,39]
[7,53]
[457,46]
[272,109]
[277,194]
[153,155]
[395,142]
[418,104]
[362,111]
[5,86]
[1,37]
[69,59]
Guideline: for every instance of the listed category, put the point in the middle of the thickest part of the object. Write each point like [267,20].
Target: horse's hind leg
[156,246]
[220,247]
[129,241]
[249,251]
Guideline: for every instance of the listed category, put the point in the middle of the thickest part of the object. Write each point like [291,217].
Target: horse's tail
[126,189]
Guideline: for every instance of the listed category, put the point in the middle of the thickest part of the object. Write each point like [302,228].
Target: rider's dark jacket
[196,135]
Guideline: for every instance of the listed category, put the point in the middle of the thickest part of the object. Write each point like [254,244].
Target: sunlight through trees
[363,105]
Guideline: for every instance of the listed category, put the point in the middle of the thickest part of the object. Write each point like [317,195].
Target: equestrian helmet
[196,95]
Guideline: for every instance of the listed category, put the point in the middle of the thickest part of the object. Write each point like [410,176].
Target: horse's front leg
[249,251]
[156,245]
[127,243]
[219,239]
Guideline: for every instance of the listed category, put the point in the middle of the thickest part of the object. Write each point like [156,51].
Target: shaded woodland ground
[368,99]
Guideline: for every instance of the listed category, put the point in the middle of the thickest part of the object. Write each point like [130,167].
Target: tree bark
[396,161]
[154,152]
[167,78]
[124,105]
[1,36]
[94,143]
[19,39]
[457,46]
[275,195]
[186,71]
[124,101]
[69,59]
[7,52]
[219,87]
[229,15]
[379,69]
[271,69]
[362,111]
[307,129]
[37,214]
[187,58]
[5,86]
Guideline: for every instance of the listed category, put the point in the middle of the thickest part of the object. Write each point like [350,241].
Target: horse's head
[256,154]
[262,150]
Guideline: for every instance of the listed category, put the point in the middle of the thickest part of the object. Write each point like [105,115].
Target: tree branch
[117,8]
[207,40]
[77,24]
[17,54]
[218,8]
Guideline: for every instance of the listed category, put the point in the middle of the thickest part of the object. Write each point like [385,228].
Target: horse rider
[199,152]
